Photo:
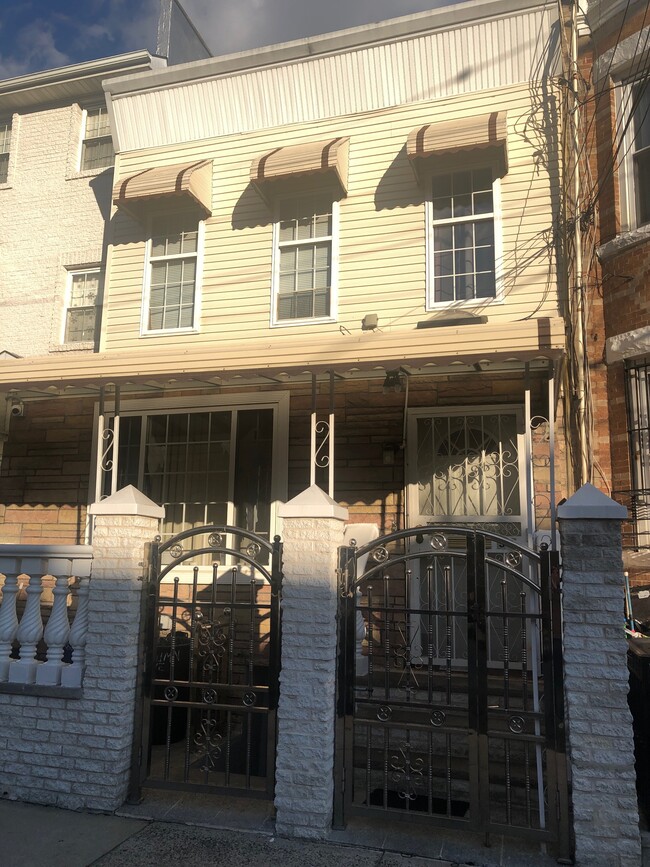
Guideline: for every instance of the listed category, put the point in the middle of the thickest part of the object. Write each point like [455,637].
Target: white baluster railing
[8,623]
[29,633]
[20,563]
[72,675]
[56,635]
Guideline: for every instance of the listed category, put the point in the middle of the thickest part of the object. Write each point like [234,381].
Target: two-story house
[330,261]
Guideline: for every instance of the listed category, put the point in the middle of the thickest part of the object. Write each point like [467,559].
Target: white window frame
[7,129]
[334,260]
[145,331]
[85,138]
[72,272]
[628,192]
[499,295]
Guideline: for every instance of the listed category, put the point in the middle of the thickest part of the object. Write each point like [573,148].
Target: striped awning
[191,182]
[466,133]
[323,157]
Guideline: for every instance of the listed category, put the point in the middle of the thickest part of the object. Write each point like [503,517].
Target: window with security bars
[641,151]
[173,271]
[462,211]
[97,146]
[304,258]
[5,145]
[468,467]
[81,313]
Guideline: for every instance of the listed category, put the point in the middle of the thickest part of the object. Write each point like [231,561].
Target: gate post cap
[127,501]
[312,503]
[589,502]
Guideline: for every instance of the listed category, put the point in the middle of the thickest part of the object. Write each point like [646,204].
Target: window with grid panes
[462,210]
[97,146]
[304,258]
[641,151]
[5,145]
[81,313]
[172,273]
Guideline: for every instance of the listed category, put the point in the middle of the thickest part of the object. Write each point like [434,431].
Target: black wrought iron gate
[211,661]
[450,699]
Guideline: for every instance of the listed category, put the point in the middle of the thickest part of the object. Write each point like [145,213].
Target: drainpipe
[577,299]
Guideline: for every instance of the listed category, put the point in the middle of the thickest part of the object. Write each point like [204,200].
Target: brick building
[616,193]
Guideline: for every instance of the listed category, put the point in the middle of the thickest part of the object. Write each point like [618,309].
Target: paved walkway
[189,831]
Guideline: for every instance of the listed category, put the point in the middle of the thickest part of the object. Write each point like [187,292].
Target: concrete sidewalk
[171,829]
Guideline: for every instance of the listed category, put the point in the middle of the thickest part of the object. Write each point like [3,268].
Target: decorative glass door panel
[465,468]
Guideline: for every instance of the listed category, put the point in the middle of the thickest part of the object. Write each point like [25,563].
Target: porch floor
[256,816]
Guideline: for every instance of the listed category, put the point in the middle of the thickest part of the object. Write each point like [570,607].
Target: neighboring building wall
[620,280]
[52,218]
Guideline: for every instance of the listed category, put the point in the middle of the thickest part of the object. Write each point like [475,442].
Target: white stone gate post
[313,527]
[601,747]
[123,524]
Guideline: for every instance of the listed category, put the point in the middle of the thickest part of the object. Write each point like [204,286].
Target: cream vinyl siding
[382,245]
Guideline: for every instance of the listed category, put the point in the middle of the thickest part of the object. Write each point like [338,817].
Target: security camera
[17,409]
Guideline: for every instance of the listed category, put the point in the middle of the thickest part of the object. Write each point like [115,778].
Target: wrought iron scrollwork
[407,773]
[209,741]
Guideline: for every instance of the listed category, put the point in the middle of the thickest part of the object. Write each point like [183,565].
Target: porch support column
[601,746]
[313,527]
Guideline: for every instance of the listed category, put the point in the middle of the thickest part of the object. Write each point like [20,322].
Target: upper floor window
[641,151]
[173,269]
[97,145]
[305,235]
[462,237]
[81,310]
[5,145]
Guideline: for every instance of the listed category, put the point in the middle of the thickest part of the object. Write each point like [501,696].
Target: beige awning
[313,158]
[467,133]
[277,355]
[191,182]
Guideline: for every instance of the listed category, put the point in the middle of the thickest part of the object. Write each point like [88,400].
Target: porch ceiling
[441,350]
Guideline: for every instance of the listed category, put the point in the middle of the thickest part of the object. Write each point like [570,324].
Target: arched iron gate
[211,662]
[450,691]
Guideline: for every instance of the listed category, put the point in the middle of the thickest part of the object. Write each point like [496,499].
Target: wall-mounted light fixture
[393,381]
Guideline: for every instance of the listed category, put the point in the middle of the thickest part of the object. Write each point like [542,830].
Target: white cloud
[35,48]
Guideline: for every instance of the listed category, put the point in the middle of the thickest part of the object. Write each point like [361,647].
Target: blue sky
[42,34]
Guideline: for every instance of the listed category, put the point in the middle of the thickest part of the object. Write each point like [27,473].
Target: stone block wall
[601,749]
[73,749]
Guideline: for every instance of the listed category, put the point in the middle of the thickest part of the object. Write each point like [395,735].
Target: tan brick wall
[44,476]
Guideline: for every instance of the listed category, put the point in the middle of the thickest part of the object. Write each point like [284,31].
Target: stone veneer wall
[601,752]
[74,749]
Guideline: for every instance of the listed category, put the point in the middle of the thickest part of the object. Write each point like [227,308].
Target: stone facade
[76,752]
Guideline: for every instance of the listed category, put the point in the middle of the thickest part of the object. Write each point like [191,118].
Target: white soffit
[431,65]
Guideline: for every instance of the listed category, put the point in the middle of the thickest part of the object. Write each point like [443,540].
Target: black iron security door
[450,700]
[211,664]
